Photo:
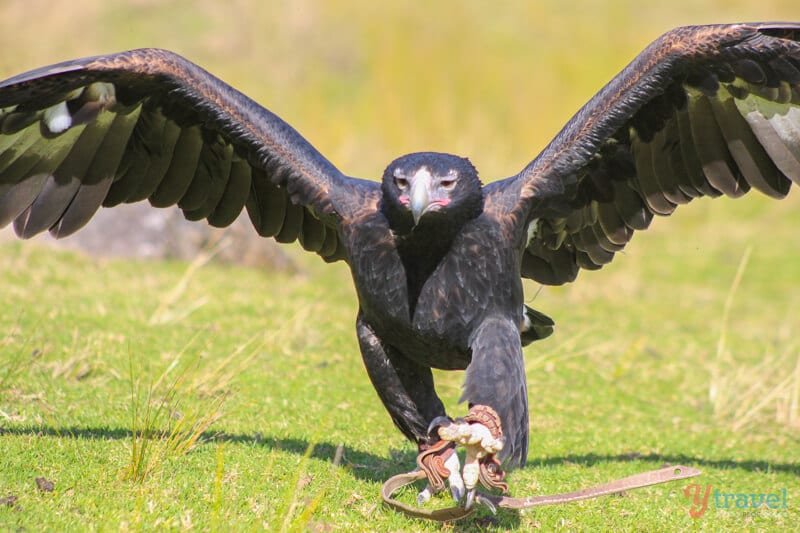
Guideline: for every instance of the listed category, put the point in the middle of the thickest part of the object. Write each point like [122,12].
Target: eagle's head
[430,188]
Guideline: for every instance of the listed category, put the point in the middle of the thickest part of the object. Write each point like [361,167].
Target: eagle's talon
[470,499]
[482,500]
[476,498]
[424,495]
[436,423]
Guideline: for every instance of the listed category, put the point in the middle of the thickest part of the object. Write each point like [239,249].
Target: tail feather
[535,326]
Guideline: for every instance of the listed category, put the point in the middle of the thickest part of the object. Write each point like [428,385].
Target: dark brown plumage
[703,111]
[436,257]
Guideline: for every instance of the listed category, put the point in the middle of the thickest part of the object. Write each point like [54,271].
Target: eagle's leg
[497,423]
[407,391]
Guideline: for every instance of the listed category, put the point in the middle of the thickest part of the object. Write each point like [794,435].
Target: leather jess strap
[653,477]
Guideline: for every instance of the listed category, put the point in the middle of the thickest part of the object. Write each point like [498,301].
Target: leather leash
[653,477]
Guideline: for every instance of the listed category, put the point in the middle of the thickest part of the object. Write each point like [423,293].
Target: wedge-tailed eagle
[436,257]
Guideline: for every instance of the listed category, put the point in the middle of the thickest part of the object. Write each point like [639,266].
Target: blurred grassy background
[627,376]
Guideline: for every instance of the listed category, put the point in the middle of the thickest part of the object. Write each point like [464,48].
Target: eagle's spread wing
[148,124]
[702,111]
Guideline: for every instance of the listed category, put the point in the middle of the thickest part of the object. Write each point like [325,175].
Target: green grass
[622,387]
[662,357]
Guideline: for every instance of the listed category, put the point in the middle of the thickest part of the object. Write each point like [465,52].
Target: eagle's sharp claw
[424,495]
[479,498]
[436,423]
[470,499]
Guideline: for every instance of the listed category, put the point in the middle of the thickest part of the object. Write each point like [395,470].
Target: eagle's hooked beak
[420,195]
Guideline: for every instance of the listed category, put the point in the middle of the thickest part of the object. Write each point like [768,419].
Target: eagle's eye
[447,184]
[402,183]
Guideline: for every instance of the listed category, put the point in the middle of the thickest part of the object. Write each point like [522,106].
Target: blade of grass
[290,496]
[166,312]
[713,390]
